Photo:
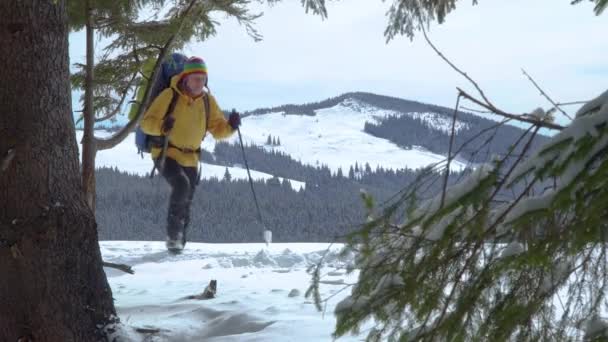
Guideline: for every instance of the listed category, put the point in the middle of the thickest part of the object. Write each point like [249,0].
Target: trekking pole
[267,232]
[163,155]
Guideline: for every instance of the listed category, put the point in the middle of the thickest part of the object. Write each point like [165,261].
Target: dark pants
[183,182]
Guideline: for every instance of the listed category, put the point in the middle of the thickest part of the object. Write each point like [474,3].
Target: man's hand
[168,124]
[234,120]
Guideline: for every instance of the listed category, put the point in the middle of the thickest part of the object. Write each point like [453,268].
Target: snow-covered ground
[125,158]
[335,137]
[260,291]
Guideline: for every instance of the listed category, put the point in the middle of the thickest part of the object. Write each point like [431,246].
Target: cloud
[304,58]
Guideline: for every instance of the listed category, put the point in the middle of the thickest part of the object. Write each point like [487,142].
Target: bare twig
[543,93]
[121,267]
[486,103]
[452,135]
[571,103]
[123,96]
[6,160]
[483,95]
[521,118]
[476,110]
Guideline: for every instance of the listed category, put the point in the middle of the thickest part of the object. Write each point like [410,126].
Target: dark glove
[234,120]
[168,124]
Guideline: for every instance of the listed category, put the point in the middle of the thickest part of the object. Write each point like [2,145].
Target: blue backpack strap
[172,104]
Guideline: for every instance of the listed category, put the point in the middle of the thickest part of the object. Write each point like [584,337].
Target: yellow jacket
[189,128]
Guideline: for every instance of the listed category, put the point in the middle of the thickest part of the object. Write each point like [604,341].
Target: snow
[593,105]
[456,191]
[540,115]
[580,127]
[335,137]
[125,158]
[531,204]
[438,121]
[254,302]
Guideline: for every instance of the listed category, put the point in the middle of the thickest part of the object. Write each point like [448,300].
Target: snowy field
[335,137]
[260,294]
[125,158]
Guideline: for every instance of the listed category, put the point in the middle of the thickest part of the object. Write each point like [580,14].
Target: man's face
[195,83]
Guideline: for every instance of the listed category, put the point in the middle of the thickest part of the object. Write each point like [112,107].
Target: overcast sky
[304,58]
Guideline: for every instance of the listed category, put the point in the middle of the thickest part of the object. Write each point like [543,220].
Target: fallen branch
[147,330]
[542,92]
[121,267]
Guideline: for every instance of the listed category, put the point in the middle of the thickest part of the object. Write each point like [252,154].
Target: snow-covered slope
[335,137]
[260,293]
[124,157]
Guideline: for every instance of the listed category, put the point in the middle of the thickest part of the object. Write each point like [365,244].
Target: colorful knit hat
[194,65]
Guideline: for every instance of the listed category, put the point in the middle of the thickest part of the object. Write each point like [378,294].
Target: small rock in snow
[293,293]
[207,267]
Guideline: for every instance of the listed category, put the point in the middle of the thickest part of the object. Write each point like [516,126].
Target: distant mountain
[409,124]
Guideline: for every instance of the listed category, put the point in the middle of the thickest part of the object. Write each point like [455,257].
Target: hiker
[185,126]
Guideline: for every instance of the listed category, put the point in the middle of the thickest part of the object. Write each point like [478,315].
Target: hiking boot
[176,245]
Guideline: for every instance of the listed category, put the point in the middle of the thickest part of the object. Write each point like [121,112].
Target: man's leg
[192,174]
[180,192]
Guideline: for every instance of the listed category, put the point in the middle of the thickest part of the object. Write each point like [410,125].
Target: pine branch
[120,103]
[104,144]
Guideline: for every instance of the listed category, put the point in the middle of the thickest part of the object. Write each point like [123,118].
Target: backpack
[169,68]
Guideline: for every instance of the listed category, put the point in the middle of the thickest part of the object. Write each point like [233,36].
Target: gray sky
[304,58]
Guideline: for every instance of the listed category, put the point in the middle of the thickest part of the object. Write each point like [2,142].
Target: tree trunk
[89,148]
[52,284]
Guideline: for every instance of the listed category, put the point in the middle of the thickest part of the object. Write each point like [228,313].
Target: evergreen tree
[53,285]
[351,173]
[269,140]
[278,141]
[227,176]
